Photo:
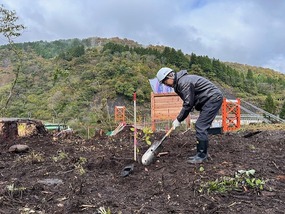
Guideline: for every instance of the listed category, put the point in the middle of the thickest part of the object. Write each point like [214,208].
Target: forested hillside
[79,82]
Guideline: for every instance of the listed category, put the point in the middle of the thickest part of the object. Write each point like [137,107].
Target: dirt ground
[85,176]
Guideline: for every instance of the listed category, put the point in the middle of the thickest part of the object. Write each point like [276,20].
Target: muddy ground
[83,176]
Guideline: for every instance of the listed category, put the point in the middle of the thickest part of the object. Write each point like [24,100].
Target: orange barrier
[120,114]
[230,114]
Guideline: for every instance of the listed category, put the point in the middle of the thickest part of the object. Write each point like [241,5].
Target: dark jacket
[194,90]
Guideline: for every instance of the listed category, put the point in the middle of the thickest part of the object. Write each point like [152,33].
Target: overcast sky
[245,31]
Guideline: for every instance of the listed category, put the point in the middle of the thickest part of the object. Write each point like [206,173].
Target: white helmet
[162,73]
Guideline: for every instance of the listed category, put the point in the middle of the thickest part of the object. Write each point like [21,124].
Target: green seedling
[147,134]
[79,168]
[242,181]
[249,180]
[33,157]
[220,185]
[61,156]
[147,131]
[82,160]
[79,165]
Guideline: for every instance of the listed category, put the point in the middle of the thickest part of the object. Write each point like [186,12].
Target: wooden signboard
[164,106]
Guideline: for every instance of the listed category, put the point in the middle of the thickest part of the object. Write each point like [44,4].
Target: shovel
[149,156]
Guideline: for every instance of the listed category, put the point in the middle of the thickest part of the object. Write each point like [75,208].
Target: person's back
[203,88]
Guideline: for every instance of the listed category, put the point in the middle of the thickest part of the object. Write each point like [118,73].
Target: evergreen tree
[77,51]
[249,75]
[166,53]
[282,112]
[269,105]
[193,60]
[217,68]
[250,83]
[182,62]
[206,63]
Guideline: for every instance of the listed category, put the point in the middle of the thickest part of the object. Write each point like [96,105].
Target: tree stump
[17,127]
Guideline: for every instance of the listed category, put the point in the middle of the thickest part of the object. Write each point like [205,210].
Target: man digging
[199,93]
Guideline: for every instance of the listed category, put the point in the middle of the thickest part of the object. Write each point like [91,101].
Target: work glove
[175,124]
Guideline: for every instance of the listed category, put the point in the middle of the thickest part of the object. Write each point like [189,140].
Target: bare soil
[73,175]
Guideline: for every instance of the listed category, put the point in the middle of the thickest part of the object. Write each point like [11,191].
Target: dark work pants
[207,114]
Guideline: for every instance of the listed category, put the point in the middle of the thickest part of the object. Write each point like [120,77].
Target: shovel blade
[154,149]
[150,155]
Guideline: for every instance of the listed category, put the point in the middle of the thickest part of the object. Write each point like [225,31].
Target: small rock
[51,181]
[19,148]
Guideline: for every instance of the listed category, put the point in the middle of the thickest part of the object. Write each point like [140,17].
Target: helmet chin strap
[170,75]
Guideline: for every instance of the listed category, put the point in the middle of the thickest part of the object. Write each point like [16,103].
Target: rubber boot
[197,152]
[202,153]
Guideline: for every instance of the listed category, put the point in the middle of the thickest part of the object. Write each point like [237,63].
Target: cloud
[276,63]
[246,31]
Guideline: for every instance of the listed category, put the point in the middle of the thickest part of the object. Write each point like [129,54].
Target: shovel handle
[169,131]
[167,134]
